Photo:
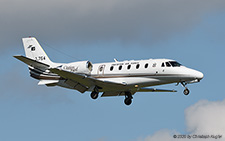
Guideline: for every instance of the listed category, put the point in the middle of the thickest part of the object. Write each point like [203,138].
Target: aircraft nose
[199,75]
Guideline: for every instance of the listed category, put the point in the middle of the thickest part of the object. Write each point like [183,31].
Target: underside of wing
[110,93]
[154,90]
[31,62]
[122,93]
[115,93]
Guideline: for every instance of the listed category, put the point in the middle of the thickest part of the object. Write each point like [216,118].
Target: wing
[154,90]
[31,62]
[89,81]
[84,79]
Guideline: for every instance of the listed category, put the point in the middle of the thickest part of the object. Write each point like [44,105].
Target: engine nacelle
[84,67]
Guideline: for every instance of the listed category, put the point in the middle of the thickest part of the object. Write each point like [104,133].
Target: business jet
[118,78]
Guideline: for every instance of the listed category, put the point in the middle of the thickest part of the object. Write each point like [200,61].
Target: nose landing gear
[186,90]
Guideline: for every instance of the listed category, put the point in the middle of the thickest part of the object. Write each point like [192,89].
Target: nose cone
[199,75]
[192,76]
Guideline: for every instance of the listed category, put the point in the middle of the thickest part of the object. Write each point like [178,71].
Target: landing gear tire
[94,95]
[128,101]
[186,91]
[128,98]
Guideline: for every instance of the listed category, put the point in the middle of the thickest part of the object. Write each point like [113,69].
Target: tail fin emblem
[32,48]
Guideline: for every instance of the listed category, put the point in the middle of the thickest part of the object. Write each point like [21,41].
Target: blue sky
[195,38]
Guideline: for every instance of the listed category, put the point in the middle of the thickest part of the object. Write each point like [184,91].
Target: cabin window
[146,65]
[137,66]
[111,68]
[120,67]
[163,65]
[168,64]
[128,67]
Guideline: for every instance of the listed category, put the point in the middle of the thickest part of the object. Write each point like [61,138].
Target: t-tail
[38,62]
[33,50]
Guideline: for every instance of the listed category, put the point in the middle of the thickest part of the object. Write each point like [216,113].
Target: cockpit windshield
[175,64]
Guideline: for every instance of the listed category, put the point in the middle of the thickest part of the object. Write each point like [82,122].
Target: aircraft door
[101,69]
[163,67]
[155,68]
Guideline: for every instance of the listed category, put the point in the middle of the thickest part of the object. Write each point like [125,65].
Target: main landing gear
[94,93]
[128,98]
[186,90]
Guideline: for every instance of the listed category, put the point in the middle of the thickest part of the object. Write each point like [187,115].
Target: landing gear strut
[186,90]
[94,93]
[128,98]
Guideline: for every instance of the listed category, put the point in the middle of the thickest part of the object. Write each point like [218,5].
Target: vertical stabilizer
[33,50]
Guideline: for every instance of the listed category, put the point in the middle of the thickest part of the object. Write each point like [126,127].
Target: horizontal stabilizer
[31,62]
[46,82]
[154,90]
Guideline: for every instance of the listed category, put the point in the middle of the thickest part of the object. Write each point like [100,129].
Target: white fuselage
[144,73]
[135,74]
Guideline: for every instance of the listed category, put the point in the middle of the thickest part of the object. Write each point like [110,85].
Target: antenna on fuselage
[115,60]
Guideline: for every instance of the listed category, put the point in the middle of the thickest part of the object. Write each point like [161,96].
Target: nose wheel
[186,90]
